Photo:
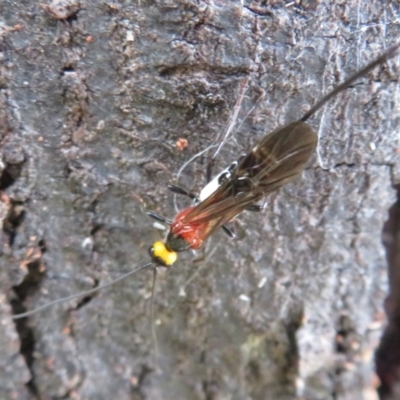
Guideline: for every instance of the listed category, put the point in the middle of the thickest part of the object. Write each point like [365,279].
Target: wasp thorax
[161,255]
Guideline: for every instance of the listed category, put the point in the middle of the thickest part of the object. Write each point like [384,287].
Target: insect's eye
[161,255]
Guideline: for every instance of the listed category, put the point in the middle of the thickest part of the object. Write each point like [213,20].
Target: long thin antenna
[74,296]
[234,116]
[232,123]
[385,56]
[153,328]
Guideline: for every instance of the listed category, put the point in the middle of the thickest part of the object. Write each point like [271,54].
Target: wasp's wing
[278,158]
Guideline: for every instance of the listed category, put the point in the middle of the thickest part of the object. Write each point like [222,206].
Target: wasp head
[161,255]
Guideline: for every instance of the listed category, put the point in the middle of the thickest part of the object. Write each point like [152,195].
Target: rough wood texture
[94,96]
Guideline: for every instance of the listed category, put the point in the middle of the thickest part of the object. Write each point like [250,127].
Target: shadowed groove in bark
[28,286]
[388,353]
[13,220]
[9,175]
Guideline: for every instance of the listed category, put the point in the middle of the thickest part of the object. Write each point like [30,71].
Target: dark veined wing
[277,159]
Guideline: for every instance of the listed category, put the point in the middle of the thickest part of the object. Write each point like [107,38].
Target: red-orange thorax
[192,233]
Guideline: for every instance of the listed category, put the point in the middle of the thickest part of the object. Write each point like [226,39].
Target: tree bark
[94,98]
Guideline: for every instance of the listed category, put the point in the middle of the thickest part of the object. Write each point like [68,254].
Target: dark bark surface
[94,96]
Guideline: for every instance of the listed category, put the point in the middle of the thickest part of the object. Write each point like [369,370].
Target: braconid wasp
[239,187]
[276,159]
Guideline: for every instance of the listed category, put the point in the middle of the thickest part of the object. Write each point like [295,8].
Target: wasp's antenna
[153,328]
[385,56]
[232,122]
[74,296]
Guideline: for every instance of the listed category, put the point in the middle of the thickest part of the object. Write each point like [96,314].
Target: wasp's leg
[255,208]
[179,190]
[228,231]
[158,217]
